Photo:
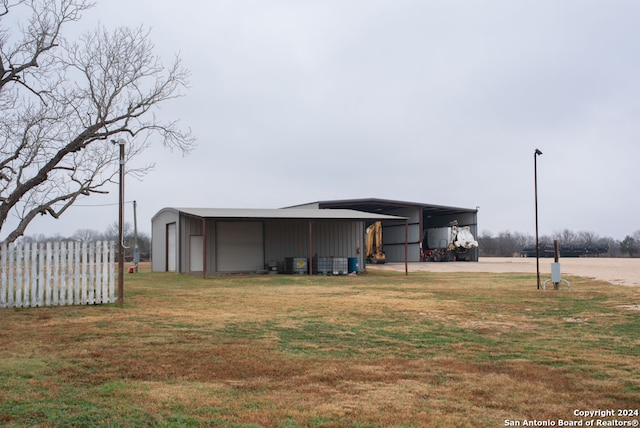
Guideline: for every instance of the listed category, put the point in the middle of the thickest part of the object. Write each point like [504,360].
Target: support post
[406,247]
[204,248]
[310,262]
[556,257]
[136,250]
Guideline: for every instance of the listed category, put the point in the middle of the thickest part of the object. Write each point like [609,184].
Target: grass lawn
[375,350]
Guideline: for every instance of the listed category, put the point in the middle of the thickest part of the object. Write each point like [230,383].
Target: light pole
[535,182]
[121,142]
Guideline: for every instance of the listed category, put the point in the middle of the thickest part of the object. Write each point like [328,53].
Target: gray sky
[417,100]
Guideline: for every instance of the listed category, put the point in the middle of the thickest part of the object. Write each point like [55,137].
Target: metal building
[218,240]
[421,217]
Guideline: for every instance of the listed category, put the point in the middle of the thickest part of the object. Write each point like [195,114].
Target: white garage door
[171,247]
[240,246]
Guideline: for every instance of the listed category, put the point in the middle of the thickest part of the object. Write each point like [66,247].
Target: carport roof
[289,213]
[376,204]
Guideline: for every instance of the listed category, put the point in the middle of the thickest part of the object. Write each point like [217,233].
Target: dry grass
[431,349]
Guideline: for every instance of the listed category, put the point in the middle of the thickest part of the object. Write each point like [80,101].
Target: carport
[224,240]
[420,216]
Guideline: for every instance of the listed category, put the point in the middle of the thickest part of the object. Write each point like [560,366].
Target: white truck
[443,244]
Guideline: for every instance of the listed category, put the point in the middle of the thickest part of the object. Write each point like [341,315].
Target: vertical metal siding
[331,238]
[189,226]
[159,240]
[240,246]
[393,235]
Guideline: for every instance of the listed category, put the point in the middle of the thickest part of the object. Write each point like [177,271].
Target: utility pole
[121,142]
[136,251]
[535,182]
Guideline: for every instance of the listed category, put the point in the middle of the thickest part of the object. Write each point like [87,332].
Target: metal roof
[376,205]
[293,213]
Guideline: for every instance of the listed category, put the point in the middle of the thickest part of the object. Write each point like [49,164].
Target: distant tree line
[110,234]
[576,244]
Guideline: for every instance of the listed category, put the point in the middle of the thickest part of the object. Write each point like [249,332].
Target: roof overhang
[281,214]
[381,205]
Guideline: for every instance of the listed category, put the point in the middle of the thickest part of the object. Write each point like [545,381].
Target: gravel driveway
[614,270]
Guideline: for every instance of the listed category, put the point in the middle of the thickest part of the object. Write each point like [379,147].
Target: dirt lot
[614,270]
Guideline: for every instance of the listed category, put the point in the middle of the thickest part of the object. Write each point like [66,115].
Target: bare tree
[64,102]
[86,235]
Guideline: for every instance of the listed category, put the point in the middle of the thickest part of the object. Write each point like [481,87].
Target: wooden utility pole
[136,250]
[121,142]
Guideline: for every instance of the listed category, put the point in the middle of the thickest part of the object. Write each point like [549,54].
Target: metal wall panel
[159,240]
[393,238]
[240,246]
[290,238]
[189,226]
[172,246]
[395,253]
[195,253]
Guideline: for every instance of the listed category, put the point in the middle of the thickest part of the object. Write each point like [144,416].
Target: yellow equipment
[374,232]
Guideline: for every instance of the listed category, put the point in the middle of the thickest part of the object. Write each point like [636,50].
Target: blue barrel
[353,264]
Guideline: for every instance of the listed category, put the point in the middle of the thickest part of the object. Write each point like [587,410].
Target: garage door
[171,247]
[240,246]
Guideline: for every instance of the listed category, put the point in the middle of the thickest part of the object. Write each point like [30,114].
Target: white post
[112,271]
[34,274]
[97,278]
[42,282]
[64,274]
[106,298]
[11,290]
[85,273]
[54,272]
[70,272]
[18,276]
[48,274]
[75,247]
[3,280]
[26,275]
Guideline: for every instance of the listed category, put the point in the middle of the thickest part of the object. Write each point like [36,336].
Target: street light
[535,181]
[121,142]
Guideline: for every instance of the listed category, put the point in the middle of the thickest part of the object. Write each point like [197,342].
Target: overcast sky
[441,102]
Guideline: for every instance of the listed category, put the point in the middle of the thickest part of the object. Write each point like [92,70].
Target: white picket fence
[57,273]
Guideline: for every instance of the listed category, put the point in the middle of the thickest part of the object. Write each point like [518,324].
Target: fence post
[11,290]
[34,274]
[18,268]
[105,272]
[42,283]
[77,274]
[3,280]
[112,271]
[97,271]
[47,274]
[26,275]
[84,263]
[58,297]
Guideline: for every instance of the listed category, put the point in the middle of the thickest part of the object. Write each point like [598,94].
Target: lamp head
[538,152]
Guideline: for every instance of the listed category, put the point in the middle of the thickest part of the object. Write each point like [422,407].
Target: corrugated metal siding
[330,239]
[189,226]
[286,239]
[159,241]
[393,235]
[240,246]
[393,240]
[192,226]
